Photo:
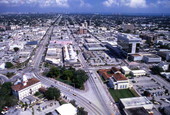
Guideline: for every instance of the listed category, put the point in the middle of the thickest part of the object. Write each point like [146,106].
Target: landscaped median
[70,76]
[122,93]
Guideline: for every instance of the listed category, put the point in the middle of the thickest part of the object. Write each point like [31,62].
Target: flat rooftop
[135,101]
[152,56]
[125,68]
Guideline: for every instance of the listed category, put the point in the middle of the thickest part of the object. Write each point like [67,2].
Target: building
[136,57]
[67,109]
[164,66]
[166,75]
[135,102]
[136,111]
[138,72]
[125,70]
[128,27]
[129,43]
[118,81]
[165,55]
[26,87]
[94,46]
[152,58]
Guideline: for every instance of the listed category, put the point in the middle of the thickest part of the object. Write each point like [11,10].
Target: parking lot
[157,90]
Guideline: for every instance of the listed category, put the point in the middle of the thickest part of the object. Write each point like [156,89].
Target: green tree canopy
[54,72]
[8,65]
[52,93]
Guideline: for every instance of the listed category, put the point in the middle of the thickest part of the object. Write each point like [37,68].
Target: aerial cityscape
[82,57]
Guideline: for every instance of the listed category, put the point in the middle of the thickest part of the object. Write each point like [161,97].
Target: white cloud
[109,3]
[164,3]
[137,4]
[41,3]
[83,4]
[62,3]
[129,3]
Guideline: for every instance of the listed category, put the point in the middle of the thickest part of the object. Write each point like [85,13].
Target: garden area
[123,93]
[70,76]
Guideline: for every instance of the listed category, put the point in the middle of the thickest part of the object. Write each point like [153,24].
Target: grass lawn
[123,93]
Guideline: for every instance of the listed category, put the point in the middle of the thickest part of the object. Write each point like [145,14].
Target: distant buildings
[94,46]
[26,87]
[128,27]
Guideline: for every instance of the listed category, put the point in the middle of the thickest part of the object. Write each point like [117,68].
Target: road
[82,101]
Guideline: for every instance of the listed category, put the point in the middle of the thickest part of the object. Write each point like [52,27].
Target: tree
[81,111]
[67,75]
[16,49]
[146,93]
[8,65]
[6,97]
[52,93]
[54,72]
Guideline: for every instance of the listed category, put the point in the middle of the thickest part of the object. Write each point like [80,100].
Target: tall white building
[129,43]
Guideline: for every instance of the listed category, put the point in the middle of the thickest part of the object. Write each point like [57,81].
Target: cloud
[41,3]
[128,3]
[83,4]
[163,3]
[137,4]
[109,3]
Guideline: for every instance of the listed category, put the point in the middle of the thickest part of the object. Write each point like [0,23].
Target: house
[118,81]
[26,87]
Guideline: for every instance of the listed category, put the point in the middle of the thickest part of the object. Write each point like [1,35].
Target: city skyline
[85,6]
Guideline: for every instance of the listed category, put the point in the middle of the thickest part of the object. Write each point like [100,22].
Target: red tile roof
[119,77]
[104,73]
[20,86]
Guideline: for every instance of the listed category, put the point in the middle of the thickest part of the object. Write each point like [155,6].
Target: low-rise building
[94,46]
[26,87]
[138,72]
[152,58]
[165,55]
[125,70]
[67,109]
[118,81]
[164,66]
[135,102]
[136,57]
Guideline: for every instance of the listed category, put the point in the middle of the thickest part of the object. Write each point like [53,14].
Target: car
[74,94]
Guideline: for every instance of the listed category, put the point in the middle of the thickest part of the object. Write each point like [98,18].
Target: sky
[85,6]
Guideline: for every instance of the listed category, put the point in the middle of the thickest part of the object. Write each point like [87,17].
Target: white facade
[26,87]
[28,91]
[138,72]
[125,70]
[118,84]
[135,102]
